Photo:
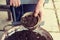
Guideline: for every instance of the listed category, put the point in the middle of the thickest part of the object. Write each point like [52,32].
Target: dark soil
[29,21]
[25,35]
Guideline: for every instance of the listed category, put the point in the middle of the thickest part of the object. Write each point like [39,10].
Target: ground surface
[49,19]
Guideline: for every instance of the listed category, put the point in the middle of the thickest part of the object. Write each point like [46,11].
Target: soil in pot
[25,35]
[29,21]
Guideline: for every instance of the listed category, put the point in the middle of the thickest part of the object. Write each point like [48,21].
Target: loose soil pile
[29,21]
[25,35]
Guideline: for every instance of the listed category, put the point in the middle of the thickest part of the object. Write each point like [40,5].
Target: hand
[38,11]
[15,3]
[39,8]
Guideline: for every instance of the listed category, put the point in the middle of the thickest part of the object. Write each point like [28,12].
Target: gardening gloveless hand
[39,8]
[15,3]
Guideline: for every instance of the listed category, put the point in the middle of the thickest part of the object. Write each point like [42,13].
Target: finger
[14,3]
[36,14]
[39,14]
[10,2]
[19,2]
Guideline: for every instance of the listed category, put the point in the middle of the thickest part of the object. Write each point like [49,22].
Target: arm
[39,7]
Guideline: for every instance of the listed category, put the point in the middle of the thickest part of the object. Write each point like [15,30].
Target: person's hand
[38,10]
[15,3]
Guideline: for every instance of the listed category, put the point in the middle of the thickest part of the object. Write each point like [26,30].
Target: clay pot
[15,29]
[39,20]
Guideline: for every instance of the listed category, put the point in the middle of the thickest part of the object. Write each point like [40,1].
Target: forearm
[39,7]
[40,2]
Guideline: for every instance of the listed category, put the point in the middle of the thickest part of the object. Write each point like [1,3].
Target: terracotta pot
[14,29]
[38,23]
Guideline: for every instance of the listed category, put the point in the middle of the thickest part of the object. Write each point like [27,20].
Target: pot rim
[30,13]
[43,32]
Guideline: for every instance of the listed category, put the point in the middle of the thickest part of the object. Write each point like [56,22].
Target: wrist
[40,2]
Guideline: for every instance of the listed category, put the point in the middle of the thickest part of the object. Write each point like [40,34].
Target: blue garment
[19,11]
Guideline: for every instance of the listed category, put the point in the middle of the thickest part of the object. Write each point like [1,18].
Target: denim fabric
[19,11]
